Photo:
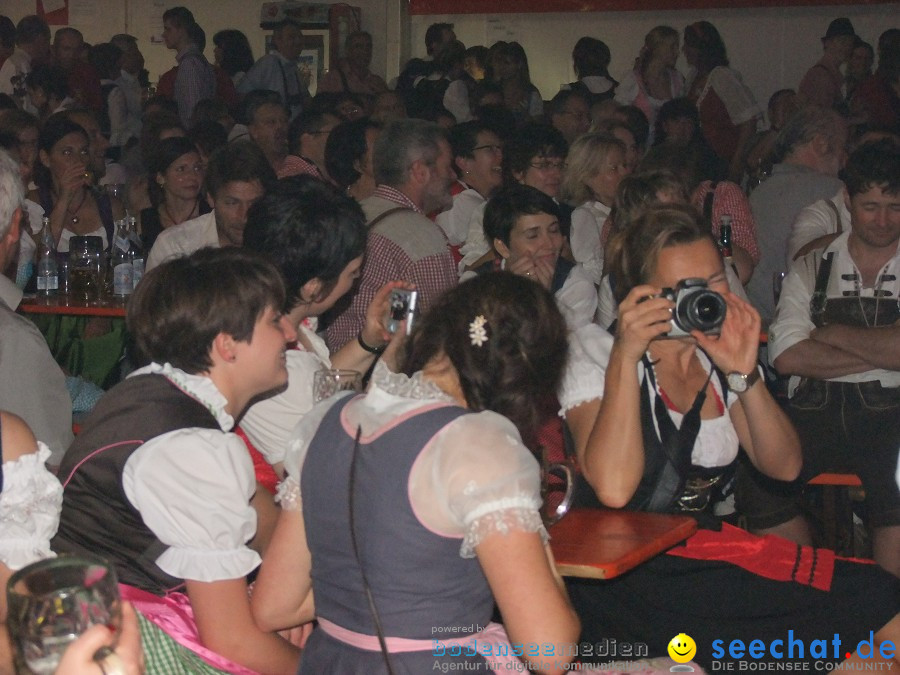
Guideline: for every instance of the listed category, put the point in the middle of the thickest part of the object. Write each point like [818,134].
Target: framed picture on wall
[314,57]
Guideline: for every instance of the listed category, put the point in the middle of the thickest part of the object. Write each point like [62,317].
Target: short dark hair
[511,203]
[166,151]
[346,145]
[309,229]
[522,357]
[256,99]
[53,80]
[30,28]
[464,137]
[208,136]
[533,140]
[307,122]
[591,56]
[561,100]
[238,161]
[180,16]
[434,33]
[873,164]
[180,307]
[676,109]
[7,32]
[284,23]
[67,30]
[637,123]
[105,58]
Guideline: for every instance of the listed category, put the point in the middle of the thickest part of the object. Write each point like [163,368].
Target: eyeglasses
[493,149]
[577,114]
[547,165]
[320,132]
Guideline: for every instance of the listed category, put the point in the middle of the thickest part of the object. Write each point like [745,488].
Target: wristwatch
[739,383]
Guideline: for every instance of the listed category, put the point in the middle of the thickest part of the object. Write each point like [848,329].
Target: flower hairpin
[477,333]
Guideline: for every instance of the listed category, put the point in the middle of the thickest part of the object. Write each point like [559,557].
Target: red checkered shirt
[729,199]
[405,246]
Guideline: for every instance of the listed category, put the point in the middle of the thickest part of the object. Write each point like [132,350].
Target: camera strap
[381,216]
[677,443]
[362,572]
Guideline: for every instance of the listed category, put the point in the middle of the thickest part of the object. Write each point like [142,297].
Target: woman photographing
[657,424]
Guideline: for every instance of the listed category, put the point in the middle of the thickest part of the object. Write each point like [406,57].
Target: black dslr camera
[696,308]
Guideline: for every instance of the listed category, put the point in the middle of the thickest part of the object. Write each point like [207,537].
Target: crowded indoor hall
[308,313]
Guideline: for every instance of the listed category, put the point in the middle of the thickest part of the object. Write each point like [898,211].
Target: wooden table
[63,306]
[602,544]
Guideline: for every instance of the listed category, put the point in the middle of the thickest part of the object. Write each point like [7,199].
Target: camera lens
[703,311]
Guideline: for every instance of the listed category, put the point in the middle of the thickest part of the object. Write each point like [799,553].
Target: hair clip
[477,333]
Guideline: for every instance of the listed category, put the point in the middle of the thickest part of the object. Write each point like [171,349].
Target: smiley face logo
[682,648]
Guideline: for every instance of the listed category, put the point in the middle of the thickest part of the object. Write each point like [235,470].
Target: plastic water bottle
[47,267]
[121,261]
[137,252]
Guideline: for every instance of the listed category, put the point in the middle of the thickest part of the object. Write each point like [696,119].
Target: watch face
[737,382]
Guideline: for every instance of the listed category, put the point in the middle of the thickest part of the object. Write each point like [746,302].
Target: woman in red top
[728,111]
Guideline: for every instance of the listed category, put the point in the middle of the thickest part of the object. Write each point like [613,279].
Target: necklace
[74,214]
[857,285]
[189,216]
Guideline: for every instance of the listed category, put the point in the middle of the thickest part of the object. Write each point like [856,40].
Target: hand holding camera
[687,309]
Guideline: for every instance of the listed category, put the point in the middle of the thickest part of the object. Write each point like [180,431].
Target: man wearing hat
[823,82]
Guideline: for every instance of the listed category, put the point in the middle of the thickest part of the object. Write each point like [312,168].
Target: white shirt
[584,380]
[587,224]
[474,479]
[456,100]
[576,300]
[183,239]
[455,220]
[476,244]
[130,90]
[193,487]
[596,84]
[18,63]
[29,509]
[269,423]
[792,323]
[820,218]
[738,100]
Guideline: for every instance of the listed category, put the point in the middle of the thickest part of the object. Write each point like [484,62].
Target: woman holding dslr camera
[657,424]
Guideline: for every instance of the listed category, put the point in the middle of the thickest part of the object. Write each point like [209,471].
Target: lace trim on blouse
[518,514]
[198,387]
[29,509]
[288,495]
[415,387]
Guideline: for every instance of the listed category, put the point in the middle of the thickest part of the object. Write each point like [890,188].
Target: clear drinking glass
[53,601]
[329,381]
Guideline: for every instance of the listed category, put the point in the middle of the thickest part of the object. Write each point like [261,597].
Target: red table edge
[72,310]
[680,531]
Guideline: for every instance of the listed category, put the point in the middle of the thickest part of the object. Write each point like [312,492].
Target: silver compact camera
[402,306]
[696,308]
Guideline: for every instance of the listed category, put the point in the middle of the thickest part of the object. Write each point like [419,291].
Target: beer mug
[555,507]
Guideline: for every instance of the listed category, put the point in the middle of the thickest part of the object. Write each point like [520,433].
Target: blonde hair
[585,160]
[653,41]
[633,252]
